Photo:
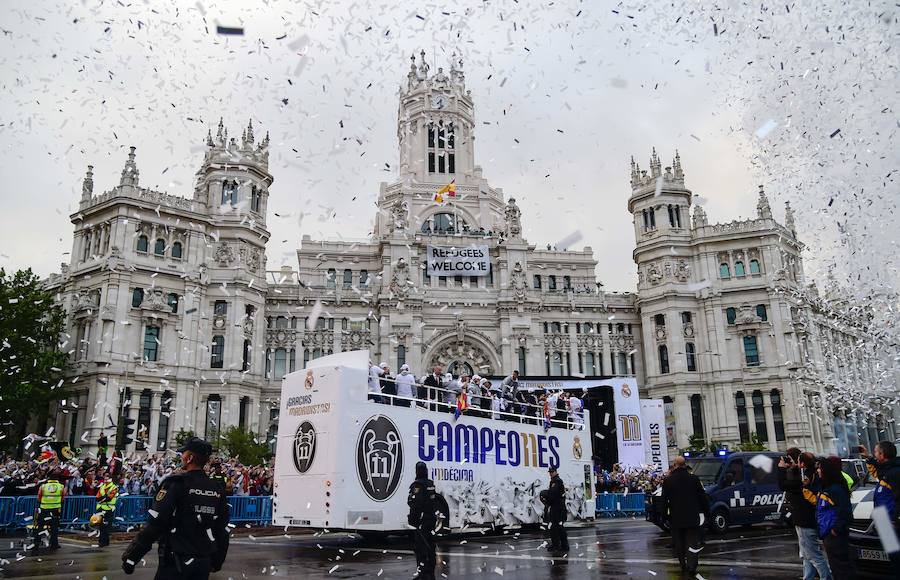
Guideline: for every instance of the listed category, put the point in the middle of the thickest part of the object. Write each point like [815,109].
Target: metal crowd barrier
[131,510]
[612,505]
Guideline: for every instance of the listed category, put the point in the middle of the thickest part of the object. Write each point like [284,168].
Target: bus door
[734,491]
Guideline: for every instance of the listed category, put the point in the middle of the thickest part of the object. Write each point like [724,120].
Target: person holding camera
[189,517]
[793,469]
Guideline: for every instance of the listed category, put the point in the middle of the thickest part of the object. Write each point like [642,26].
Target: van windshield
[706,470]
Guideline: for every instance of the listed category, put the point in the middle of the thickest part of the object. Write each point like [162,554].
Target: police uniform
[48,513]
[189,517]
[423,507]
[555,513]
[107,496]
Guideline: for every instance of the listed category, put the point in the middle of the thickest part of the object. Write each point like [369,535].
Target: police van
[346,462]
[742,489]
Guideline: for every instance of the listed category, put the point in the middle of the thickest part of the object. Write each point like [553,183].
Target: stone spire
[209,141]
[763,210]
[423,66]
[87,186]
[222,134]
[676,165]
[130,173]
[789,218]
[250,138]
[413,76]
[654,164]
[700,217]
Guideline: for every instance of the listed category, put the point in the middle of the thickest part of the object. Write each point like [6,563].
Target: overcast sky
[581,86]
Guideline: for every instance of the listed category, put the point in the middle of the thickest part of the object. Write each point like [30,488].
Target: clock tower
[436,122]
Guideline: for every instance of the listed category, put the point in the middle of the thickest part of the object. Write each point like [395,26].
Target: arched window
[143,244]
[137,297]
[159,248]
[348,278]
[660,320]
[759,414]
[663,359]
[740,404]
[690,352]
[217,353]
[151,343]
[697,415]
[537,282]
[555,327]
[443,223]
[176,250]
[401,356]
[551,282]
[229,192]
[671,216]
[254,199]
[724,270]
[330,279]
[363,278]
[441,148]
[754,266]
[246,358]
[730,315]
[761,312]
[281,322]
[567,282]
[620,328]
[622,363]
[281,363]
[777,416]
[172,301]
[686,317]
[739,269]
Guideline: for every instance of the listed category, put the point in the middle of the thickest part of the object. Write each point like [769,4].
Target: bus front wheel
[719,521]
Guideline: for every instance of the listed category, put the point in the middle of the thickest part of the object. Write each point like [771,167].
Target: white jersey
[405,382]
[374,376]
[576,412]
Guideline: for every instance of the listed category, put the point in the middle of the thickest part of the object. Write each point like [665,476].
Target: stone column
[133,409]
[606,353]
[770,421]
[153,428]
[751,415]
[684,427]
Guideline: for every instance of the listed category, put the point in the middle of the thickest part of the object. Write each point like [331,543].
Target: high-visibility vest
[104,501]
[51,495]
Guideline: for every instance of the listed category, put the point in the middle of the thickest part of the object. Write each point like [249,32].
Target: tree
[181,436]
[243,444]
[754,444]
[32,364]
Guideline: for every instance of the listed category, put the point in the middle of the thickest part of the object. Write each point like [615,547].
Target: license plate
[873,555]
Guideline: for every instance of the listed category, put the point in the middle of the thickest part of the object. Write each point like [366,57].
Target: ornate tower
[436,122]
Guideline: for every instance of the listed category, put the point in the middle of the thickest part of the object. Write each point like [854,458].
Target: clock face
[438,101]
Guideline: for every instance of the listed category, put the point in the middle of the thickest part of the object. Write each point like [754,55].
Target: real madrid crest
[626,390]
[309,380]
[576,447]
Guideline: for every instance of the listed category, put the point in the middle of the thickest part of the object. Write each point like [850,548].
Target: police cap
[198,446]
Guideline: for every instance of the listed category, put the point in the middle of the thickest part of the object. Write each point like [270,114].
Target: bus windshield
[706,470]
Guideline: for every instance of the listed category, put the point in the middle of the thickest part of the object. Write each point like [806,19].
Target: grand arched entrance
[463,356]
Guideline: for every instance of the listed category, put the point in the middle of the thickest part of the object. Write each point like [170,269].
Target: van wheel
[443,525]
[719,522]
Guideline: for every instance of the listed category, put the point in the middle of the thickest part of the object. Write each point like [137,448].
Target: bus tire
[718,523]
[443,525]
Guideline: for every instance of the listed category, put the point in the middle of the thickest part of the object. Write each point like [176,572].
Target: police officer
[107,496]
[423,510]
[189,517]
[50,498]
[555,512]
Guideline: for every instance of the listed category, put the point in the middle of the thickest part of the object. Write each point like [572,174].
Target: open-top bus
[345,462]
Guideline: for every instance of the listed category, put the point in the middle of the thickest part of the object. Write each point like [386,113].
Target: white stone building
[172,310]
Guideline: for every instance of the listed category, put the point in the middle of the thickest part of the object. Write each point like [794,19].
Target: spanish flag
[462,403]
[448,191]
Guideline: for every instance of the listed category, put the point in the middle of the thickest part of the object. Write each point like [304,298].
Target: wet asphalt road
[608,549]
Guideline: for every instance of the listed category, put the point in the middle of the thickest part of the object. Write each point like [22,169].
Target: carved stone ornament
[224,254]
[682,270]
[87,300]
[661,333]
[653,274]
[253,260]
[399,287]
[354,340]
[557,341]
[281,337]
[747,315]
[513,217]
[247,325]
[399,218]
[462,352]
[688,330]
[517,282]
[155,299]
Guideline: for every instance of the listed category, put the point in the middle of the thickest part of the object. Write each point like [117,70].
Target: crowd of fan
[629,479]
[476,396]
[135,475]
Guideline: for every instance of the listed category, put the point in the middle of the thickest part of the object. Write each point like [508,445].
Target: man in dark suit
[687,505]
[555,512]
[430,391]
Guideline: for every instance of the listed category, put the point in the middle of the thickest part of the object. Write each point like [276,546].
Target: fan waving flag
[462,403]
[445,193]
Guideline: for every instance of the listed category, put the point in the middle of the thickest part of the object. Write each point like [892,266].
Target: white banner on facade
[653,431]
[629,433]
[461,261]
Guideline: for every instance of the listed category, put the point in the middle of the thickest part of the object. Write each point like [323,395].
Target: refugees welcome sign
[461,261]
